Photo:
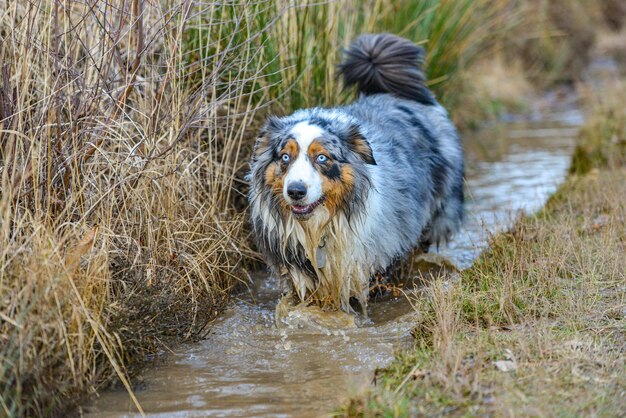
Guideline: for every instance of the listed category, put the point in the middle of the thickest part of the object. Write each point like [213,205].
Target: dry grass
[117,223]
[544,43]
[603,139]
[555,40]
[536,326]
[494,85]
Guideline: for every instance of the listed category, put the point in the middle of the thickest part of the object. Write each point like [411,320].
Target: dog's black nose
[296,190]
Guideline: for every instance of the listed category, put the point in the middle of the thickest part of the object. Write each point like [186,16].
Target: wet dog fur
[338,194]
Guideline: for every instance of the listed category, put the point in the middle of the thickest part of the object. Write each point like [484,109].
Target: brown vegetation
[117,228]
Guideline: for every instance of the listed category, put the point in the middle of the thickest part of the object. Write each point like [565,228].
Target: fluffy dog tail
[385,63]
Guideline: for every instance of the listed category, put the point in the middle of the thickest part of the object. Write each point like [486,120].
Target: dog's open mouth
[303,211]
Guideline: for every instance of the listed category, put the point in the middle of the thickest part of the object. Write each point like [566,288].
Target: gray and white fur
[338,194]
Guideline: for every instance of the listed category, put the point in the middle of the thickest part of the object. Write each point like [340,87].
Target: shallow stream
[249,367]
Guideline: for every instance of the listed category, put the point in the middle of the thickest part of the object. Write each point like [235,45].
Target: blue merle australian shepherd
[338,194]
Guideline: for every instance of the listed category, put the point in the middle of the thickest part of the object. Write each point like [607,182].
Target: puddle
[249,367]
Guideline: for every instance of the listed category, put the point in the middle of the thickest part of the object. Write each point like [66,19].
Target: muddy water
[250,367]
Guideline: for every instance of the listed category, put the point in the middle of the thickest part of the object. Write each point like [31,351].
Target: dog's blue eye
[285,158]
[322,158]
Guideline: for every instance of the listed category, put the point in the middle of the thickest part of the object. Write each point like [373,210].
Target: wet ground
[250,367]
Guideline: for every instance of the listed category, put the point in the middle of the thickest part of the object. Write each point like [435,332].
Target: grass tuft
[118,225]
[603,139]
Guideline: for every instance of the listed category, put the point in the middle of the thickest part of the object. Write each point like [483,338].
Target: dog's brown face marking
[337,178]
[276,171]
[315,150]
[291,148]
[337,191]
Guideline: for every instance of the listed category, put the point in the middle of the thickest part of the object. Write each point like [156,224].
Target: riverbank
[536,326]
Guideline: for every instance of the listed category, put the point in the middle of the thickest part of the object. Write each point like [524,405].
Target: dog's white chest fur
[340,265]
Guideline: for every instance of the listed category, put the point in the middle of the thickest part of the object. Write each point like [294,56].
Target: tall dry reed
[117,221]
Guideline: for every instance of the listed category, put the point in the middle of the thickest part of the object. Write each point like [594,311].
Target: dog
[338,194]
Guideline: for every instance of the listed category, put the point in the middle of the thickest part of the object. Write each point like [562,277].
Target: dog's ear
[263,141]
[261,144]
[359,145]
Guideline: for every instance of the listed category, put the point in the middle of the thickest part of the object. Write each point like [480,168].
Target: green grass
[298,47]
